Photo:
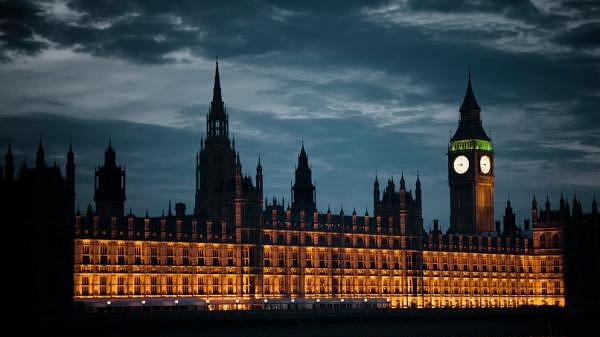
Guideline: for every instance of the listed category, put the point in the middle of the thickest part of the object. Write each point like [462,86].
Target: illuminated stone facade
[294,256]
[318,260]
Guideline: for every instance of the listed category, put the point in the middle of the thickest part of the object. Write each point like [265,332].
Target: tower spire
[217,124]
[469,102]
[217,85]
[39,159]
[470,116]
[9,169]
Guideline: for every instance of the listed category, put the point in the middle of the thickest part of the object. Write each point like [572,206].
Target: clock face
[461,164]
[485,164]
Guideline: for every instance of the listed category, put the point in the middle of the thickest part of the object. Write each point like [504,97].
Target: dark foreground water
[522,322]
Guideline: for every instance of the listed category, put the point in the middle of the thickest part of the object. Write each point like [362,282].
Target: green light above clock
[470,144]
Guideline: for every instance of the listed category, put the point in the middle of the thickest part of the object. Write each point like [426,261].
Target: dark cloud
[584,36]
[369,87]
[18,20]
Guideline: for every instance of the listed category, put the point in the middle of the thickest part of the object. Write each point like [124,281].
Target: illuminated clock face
[485,164]
[461,164]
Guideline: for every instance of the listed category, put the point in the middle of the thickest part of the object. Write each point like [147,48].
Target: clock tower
[471,172]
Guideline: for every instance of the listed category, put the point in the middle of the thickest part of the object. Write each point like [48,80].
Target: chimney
[436,225]
[163,228]
[180,210]
[194,229]
[224,231]
[209,235]
[146,227]
[130,225]
[498,230]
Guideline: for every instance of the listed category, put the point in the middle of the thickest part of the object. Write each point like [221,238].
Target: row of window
[318,259]
[169,285]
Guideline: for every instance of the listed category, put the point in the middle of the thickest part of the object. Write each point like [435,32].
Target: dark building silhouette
[400,208]
[109,186]
[471,172]
[223,193]
[38,203]
[303,190]
[581,248]
[510,223]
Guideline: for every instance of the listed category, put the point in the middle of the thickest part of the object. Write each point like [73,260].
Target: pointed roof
[39,159]
[470,126]
[302,151]
[302,158]
[469,102]
[217,85]
[9,162]
[110,156]
[70,155]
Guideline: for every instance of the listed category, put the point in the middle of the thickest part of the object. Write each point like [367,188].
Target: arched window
[542,241]
[556,240]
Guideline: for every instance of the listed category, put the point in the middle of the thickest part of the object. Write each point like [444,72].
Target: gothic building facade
[235,251]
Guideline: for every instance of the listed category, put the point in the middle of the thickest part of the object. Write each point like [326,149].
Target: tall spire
[217,85]
[470,117]
[217,124]
[39,159]
[110,157]
[259,166]
[9,169]
[70,155]
[402,182]
[469,102]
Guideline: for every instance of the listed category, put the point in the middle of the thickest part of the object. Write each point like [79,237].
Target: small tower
[109,186]
[9,165]
[376,195]
[259,183]
[418,196]
[303,190]
[40,162]
[510,226]
[70,169]
[534,212]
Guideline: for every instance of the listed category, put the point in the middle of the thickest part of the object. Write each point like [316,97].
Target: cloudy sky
[370,87]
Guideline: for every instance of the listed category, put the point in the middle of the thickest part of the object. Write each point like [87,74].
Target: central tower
[223,194]
[471,172]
